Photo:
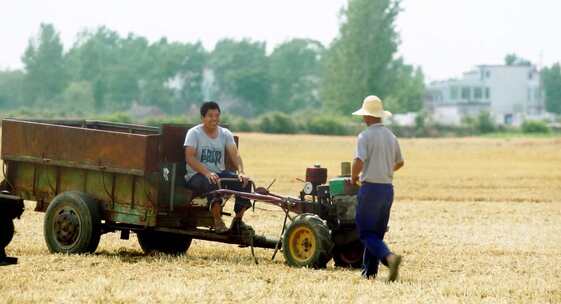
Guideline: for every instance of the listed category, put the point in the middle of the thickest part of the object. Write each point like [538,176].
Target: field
[477,220]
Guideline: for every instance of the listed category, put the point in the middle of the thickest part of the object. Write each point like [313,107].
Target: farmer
[205,148]
[377,157]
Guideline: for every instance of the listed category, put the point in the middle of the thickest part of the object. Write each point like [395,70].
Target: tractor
[93,177]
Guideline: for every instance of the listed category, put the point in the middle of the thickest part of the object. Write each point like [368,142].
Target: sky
[444,37]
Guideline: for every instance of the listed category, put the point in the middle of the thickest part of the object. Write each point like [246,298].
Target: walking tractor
[92,178]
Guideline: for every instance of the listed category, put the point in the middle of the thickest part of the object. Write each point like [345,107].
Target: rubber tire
[89,214]
[324,246]
[162,242]
[6,231]
[338,251]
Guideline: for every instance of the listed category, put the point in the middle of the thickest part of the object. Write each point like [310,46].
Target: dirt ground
[477,220]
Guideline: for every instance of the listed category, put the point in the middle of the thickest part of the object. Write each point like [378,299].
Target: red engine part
[316,175]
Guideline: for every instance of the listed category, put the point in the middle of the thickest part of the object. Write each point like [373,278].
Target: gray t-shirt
[210,151]
[378,148]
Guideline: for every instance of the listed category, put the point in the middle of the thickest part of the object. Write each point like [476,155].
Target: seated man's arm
[193,162]
[234,155]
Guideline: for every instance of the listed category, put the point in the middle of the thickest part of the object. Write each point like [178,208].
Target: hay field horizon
[478,221]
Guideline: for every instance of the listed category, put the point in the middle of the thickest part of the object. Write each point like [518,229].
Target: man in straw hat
[377,156]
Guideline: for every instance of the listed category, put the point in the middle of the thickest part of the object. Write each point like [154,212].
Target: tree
[242,75]
[11,89]
[551,78]
[175,77]
[191,74]
[78,97]
[43,59]
[295,72]
[407,87]
[358,61]
[96,57]
[513,59]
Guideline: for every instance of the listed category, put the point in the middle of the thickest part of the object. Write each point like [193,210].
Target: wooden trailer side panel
[124,198]
[67,146]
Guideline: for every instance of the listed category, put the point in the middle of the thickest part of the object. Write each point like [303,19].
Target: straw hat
[372,106]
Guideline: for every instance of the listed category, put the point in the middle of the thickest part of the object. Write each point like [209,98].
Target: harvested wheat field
[477,220]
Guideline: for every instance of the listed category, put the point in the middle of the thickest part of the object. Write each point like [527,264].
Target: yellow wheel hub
[302,244]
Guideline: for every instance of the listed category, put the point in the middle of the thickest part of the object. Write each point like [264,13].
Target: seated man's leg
[201,185]
[242,204]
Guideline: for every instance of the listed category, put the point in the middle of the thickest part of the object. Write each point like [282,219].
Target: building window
[466,93]
[477,93]
[454,93]
[487,93]
[488,74]
[530,75]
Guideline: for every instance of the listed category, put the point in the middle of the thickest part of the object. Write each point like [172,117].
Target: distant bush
[158,121]
[242,125]
[485,123]
[534,126]
[326,125]
[277,122]
[115,117]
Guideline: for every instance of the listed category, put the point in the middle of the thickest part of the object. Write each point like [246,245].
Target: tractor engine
[337,206]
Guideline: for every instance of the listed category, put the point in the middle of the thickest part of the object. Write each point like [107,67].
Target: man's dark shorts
[201,186]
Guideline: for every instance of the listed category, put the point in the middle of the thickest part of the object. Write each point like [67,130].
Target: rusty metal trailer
[94,177]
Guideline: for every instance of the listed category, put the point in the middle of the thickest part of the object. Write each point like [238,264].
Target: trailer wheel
[307,242]
[167,243]
[72,223]
[349,255]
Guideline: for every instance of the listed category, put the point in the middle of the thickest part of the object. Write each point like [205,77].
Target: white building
[510,94]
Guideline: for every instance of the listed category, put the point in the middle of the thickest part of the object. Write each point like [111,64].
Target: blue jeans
[201,186]
[372,216]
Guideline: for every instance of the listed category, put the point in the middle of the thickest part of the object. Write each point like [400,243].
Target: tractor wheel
[349,255]
[72,223]
[307,242]
[6,231]
[167,243]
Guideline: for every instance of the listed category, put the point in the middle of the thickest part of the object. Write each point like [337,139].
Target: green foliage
[276,122]
[485,123]
[326,125]
[115,117]
[242,124]
[43,59]
[158,121]
[407,88]
[357,63]
[534,126]
[513,59]
[295,72]
[551,78]
[11,89]
[241,72]
[78,96]
[123,70]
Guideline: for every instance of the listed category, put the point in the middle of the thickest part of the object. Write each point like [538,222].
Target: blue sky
[444,37]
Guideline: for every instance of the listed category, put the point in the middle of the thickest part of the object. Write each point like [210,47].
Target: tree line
[104,72]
